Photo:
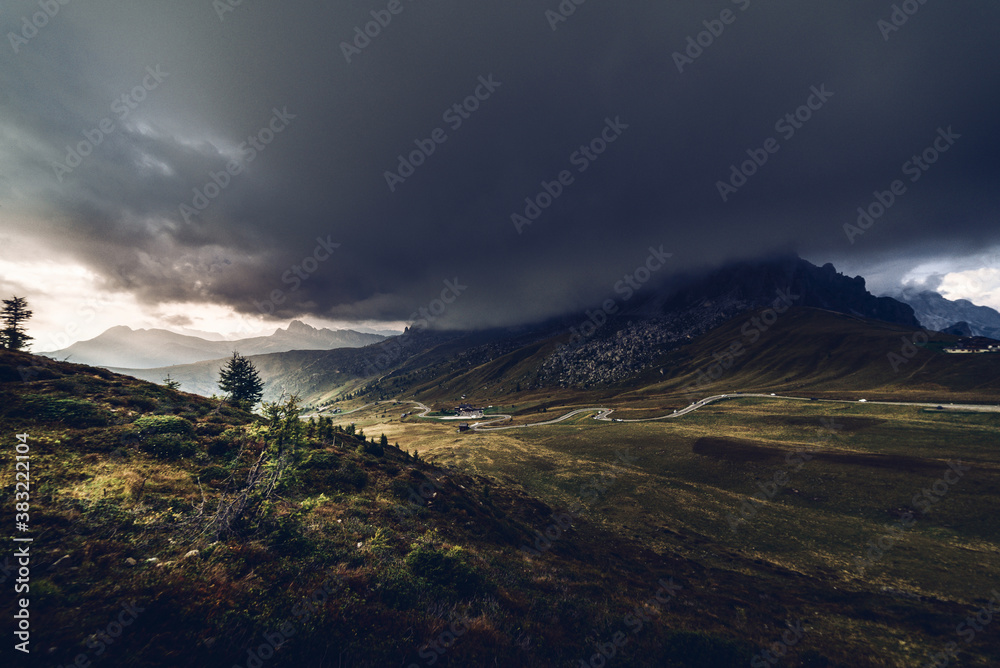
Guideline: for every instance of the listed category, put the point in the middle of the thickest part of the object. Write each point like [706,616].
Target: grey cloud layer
[324,172]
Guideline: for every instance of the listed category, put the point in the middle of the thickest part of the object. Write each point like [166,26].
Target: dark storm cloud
[265,239]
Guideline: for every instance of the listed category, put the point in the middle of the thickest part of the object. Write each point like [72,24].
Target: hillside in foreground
[219,528]
[142,499]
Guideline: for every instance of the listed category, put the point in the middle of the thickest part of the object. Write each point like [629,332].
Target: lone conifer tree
[241,382]
[15,312]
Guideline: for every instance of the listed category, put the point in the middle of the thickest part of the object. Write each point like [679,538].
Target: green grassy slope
[127,475]
[829,354]
[806,351]
[768,487]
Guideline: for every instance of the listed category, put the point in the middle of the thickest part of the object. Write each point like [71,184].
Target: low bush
[168,446]
[71,412]
[448,570]
[163,424]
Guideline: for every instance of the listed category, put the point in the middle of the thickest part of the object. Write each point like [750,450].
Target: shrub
[219,446]
[209,428]
[327,471]
[397,587]
[167,446]
[71,412]
[350,474]
[448,570]
[327,461]
[163,424]
[67,384]
[370,448]
[142,403]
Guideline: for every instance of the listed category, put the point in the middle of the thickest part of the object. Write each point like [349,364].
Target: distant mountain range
[939,314]
[564,352]
[124,347]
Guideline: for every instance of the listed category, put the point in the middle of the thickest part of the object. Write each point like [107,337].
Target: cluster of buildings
[977,344]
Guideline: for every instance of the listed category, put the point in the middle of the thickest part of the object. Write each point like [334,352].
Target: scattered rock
[191,554]
[152,560]
[131,562]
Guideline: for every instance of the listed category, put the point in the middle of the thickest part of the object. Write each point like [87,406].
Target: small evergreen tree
[171,383]
[15,312]
[325,428]
[241,382]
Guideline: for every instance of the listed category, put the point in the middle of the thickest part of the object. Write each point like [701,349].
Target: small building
[463,427]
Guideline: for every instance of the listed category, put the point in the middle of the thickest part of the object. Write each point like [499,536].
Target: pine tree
[171,383]
[241,382]
[15,312]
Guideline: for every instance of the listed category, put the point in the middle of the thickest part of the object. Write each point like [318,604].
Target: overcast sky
[113,115]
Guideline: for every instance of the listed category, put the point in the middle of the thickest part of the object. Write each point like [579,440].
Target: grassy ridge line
[126,468]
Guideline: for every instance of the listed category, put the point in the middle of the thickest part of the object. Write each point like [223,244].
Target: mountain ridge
[566,352]
[124,347]
[939,313]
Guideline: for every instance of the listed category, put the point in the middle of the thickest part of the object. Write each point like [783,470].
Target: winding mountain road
[604,413]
